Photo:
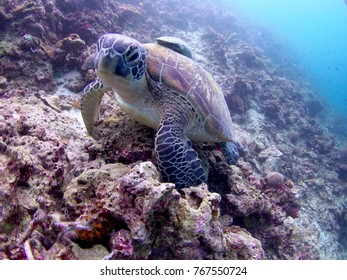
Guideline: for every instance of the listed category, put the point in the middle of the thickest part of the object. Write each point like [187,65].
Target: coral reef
[64,195]
[313,108]
[342,168]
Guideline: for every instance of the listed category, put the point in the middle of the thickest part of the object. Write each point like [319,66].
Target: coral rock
[242,245]
[274,179]
[3,82]
[72,43]
[313,108]
[150,219]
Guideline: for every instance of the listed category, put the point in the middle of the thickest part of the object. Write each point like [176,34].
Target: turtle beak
[111,62]
[96,61]
[106,60]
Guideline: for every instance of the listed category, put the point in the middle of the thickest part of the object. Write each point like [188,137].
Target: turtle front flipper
[90,104]
[178,162]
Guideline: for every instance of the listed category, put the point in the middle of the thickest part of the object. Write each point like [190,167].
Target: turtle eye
[132,54]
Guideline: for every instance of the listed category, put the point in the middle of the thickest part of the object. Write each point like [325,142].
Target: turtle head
[120,59]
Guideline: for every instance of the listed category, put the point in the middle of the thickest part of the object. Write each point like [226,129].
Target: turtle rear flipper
[231,152]
[90,104]
[178,162]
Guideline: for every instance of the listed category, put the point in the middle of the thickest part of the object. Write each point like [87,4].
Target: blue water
[315,32]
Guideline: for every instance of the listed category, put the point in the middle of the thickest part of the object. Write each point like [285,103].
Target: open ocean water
[313,33]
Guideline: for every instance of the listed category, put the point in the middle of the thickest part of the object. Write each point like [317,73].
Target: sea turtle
[167,91]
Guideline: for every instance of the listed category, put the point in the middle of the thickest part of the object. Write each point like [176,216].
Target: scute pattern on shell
[196,84]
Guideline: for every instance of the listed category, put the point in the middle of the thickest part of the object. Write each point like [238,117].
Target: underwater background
[65,195]
[313,35]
